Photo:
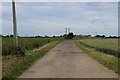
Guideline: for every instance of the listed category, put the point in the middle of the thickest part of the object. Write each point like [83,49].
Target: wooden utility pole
[14,24]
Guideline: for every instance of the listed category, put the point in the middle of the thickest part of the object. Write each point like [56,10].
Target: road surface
[66,60]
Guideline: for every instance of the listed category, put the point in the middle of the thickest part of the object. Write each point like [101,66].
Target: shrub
[12,50]
[69,36]
[18,51]
[48,41]
[35,45]
[7,50]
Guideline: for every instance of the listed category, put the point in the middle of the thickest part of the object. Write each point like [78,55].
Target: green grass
[17,69]
[109,61]
[109,46]
[78,38]
[102,43]
[24,44]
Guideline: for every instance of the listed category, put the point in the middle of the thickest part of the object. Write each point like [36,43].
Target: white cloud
[52,18]
[6,8]
[98,17]
[62,0]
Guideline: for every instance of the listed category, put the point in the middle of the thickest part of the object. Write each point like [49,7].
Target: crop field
[24,44]
[109,46]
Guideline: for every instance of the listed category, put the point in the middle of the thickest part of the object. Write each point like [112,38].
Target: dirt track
[66,60]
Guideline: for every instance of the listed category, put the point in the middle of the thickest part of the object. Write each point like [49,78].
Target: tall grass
[8,47]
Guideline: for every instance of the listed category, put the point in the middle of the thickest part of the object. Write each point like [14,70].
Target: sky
[51,18]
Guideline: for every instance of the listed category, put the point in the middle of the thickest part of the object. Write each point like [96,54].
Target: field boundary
[109,61]
[17,69]
[106,51]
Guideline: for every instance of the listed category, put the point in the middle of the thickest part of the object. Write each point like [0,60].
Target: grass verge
[105,46]
[111,62]
[17,69]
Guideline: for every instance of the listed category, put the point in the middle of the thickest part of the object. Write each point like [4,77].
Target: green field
[102,43]
[109,46]
[24,44]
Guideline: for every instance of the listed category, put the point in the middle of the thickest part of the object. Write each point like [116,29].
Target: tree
[54,36]
[98,36]
[61,36]
[46,36]
[37,36]
[7,36]
[103,36]
[110,36]
[64,35]
[70,36]
[11,35]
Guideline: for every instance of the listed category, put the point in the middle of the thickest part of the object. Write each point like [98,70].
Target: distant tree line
[8,35]
[103,36]
[38,36]
[67,36]
[113,37]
